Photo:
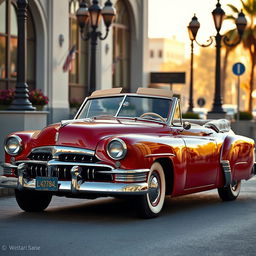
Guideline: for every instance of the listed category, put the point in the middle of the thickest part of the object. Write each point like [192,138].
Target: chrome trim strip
[160,154]
[55,162]
[199,187]
[172,112]
[121,171]
[131,177]
[238,163]
[7,165]
[7,172]
[57,150]
[32,162]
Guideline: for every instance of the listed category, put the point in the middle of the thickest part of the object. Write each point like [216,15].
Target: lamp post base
[21,98]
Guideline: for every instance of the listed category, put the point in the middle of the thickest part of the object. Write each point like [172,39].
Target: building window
[160,53]
[9,43]
[121,46]
[79,69]
[151,53]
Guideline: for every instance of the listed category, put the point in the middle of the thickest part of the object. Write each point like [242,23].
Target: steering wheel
[153,114]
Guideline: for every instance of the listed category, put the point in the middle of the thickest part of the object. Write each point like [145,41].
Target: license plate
[47,183]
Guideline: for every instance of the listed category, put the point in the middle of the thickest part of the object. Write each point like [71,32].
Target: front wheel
[151,204]
[230,192]
[32,201]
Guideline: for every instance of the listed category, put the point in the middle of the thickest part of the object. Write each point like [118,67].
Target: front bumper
[76,185]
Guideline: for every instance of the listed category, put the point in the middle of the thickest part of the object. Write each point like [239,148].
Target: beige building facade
[53,31]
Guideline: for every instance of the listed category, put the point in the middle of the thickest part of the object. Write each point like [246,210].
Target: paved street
[198,224]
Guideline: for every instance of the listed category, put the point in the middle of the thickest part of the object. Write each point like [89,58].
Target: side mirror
[186,125]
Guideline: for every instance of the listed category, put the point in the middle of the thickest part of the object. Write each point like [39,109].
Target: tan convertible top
[155,92]
[141,91]
[107,92]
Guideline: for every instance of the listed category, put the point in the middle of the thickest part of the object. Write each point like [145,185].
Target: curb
[6,192]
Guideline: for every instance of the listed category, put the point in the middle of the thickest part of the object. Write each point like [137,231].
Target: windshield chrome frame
[168,120]
[176,102]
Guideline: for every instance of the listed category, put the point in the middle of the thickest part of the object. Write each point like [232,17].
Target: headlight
[117,149]
[13,145]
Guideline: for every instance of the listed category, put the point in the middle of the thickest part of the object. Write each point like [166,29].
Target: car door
[201,154]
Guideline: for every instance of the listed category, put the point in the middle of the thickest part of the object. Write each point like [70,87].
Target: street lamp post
[93,14]
[192,31]
[21,98]
[218,17]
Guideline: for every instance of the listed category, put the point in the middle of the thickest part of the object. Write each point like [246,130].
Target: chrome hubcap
[234,186]
[154,189]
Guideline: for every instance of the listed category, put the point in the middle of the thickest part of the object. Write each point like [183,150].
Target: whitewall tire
[151,204]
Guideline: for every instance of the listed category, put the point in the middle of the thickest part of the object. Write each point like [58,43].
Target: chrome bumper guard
[77,185]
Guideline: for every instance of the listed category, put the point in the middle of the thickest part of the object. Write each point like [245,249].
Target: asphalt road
[198,224]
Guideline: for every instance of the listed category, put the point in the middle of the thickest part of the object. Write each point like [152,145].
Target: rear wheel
[230,192]
[32,201]
[151,204]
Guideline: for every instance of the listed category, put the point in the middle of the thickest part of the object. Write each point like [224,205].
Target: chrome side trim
[131,177]
[121,171]
[160,154]
[200,187]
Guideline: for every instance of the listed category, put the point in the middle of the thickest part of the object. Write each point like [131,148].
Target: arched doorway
[8,46]
[122,46]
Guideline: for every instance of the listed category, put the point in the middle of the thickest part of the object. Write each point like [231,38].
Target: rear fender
[239,151]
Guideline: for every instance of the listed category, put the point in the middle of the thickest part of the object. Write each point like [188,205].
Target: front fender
[143,150]
[26,136]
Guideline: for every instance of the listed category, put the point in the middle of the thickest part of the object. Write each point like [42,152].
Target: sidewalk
[5,191]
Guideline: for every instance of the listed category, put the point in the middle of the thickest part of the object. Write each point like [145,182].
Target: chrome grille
[58,161]
[35,170]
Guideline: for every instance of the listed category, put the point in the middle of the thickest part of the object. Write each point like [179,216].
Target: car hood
[87,134]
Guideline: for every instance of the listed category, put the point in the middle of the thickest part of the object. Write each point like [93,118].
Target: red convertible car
[130,145]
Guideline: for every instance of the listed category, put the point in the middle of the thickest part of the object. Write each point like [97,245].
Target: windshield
[128,106]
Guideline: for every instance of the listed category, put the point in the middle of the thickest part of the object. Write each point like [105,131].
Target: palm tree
[249,38]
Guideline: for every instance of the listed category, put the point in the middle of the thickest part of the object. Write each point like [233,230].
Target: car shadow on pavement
[119,210]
